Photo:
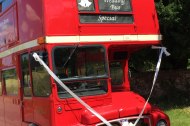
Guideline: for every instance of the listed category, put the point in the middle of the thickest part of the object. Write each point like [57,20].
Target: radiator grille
[144,121]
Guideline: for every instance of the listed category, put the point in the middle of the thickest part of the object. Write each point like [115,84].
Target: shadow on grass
[175,99]
[176,105]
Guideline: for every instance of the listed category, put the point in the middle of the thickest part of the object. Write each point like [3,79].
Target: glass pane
[26,75]
[40,77]
[85,5]
[84,62]
[116,72]
[11,82]
[84,88]
[6,4]
[115,5]
[81,69]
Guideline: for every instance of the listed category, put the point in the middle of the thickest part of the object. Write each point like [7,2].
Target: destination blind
[115,5]
[105,18]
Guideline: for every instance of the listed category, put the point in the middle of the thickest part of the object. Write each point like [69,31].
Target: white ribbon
[37,58]
[163,50]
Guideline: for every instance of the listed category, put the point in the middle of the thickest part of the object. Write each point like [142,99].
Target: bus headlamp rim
[161,122]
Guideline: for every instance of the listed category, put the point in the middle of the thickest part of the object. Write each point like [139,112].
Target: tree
[174,18]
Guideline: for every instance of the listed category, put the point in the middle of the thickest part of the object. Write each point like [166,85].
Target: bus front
[89,43]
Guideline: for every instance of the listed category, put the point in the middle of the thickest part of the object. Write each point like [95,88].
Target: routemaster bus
[87,44]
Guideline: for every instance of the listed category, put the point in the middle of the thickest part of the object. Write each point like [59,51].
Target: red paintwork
[144,13]
[2,112]
[124,104]
[157,115]
[12,111]
[31,19]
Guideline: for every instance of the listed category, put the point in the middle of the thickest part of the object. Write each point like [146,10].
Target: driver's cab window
[117,67]
[116,73]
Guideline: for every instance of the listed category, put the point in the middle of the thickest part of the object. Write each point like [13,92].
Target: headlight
[161,123]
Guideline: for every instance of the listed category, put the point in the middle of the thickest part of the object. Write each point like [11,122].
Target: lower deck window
[11,82]
[40,77]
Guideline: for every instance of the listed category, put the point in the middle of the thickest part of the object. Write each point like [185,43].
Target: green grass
[179,116]
[177,107]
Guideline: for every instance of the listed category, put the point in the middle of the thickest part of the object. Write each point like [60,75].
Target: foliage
[176,105]
[143,60]
[174,18]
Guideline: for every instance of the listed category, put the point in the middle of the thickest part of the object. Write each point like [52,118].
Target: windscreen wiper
[71,54]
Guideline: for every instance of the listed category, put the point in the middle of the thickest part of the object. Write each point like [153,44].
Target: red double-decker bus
[87,44]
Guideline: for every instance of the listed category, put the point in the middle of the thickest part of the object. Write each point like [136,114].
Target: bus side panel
[60,17]
[67,118]
[42,111]
[12,111]
[2,111]
[145,17]
[30,19]
[63,19]
[28,109]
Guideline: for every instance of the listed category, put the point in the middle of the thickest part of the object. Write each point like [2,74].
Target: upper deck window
[4,4]
[11,82]
[105,11]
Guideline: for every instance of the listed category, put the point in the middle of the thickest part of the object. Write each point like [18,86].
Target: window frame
[5,84]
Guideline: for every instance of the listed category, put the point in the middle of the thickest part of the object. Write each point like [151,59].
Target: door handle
[16,101]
